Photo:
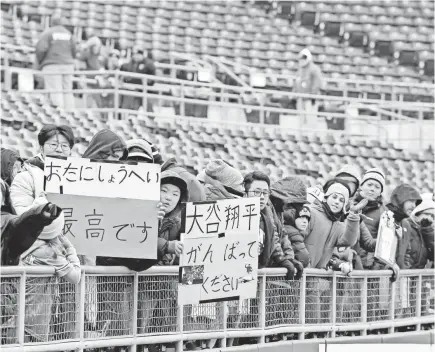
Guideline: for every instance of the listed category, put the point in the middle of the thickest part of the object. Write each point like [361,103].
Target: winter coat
[428,233]
[325,234]
[309,80]
[37,160]
[196,190]
[55,47]
[296,238]
[103,144]
[9,157]
[146,67]
[25,190]
[19,233]
[286,245]
[412,250]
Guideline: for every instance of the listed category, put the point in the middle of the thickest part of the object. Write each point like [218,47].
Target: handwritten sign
[106,223]
[220,258]
[386,243]
[86,177]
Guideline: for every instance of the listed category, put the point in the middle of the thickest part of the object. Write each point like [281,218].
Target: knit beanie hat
[374,174]
[340,189]
[224,173]
[426,204]
[139,148]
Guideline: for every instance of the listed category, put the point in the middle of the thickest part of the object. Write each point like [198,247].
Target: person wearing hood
[289,197]
[106,145]
[220,181]
[325,232]
[309,81]
[173,193]
[11,165]
[140,150]
[271,253]
[412,252]
[424,215]
[53,140]
[196,190]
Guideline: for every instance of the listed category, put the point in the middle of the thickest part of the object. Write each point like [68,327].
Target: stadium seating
[278,153]
[246,34]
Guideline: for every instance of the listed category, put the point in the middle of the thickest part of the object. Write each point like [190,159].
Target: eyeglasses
[63,146]
[258,193]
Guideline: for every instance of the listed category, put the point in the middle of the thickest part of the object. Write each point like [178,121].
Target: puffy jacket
[412,250]
[55,47]
[296,238]
[324,235]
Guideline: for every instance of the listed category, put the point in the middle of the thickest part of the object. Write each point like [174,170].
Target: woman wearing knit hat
[321,243]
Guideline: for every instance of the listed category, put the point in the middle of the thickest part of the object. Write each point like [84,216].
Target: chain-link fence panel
[378,298]
[427,295]
[65,311]
[318,302]
[245,314]
[406,297]
[157,304]
[349,300]
[282,301]
[108,306]
[9,309]
[203,317]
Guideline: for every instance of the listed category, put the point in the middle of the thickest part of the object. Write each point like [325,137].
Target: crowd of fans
[330,226]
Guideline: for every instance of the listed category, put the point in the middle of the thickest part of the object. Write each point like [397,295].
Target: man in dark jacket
[11,164]
[138,64]
[55,53]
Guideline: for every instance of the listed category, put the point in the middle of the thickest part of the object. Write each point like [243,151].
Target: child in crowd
[297,230]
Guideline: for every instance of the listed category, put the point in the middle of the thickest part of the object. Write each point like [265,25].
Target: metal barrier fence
[112,306]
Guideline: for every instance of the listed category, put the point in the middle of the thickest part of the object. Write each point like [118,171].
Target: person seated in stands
[139,64]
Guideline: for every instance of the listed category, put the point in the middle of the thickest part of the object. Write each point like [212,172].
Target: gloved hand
[50,212]
[396,271]
[291,271]
[299,268]
[426,222]
[346,268]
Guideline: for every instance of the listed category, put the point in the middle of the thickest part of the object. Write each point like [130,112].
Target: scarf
[371,205]
[398,213]
[330,215]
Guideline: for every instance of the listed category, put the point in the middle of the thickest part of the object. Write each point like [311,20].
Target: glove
[426,222]
[396,271]
[291,271]
[299,268]
[50,213]
[345,268]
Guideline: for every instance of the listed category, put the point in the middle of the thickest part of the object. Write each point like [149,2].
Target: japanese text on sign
[220,257]
[90,178]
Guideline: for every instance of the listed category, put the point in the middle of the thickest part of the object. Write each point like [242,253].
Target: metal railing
[112,306]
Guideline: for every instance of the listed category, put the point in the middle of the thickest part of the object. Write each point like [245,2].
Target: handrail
[276,310]
[252,69]
[413,106]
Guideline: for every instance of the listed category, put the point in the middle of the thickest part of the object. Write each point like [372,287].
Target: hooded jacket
[171,224]
[37,160]
[287,191]
[8,159]
[412,252]
[19,233]
[324,234]
[195,189]
[104,144]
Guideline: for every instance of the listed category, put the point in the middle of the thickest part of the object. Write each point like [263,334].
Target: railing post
[263,308]
[116,95]
[145,95]
[135,308]
[418,303]
[364,304]
[334,303]
[180,320]
[392,306]
[21,308]
[225,318]
[302,298]
[82,298]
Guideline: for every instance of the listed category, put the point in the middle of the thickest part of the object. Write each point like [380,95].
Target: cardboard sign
[220,257]
[386,243]
[86,177]
[104,218]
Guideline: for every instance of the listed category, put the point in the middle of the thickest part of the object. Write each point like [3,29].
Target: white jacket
[25,191]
